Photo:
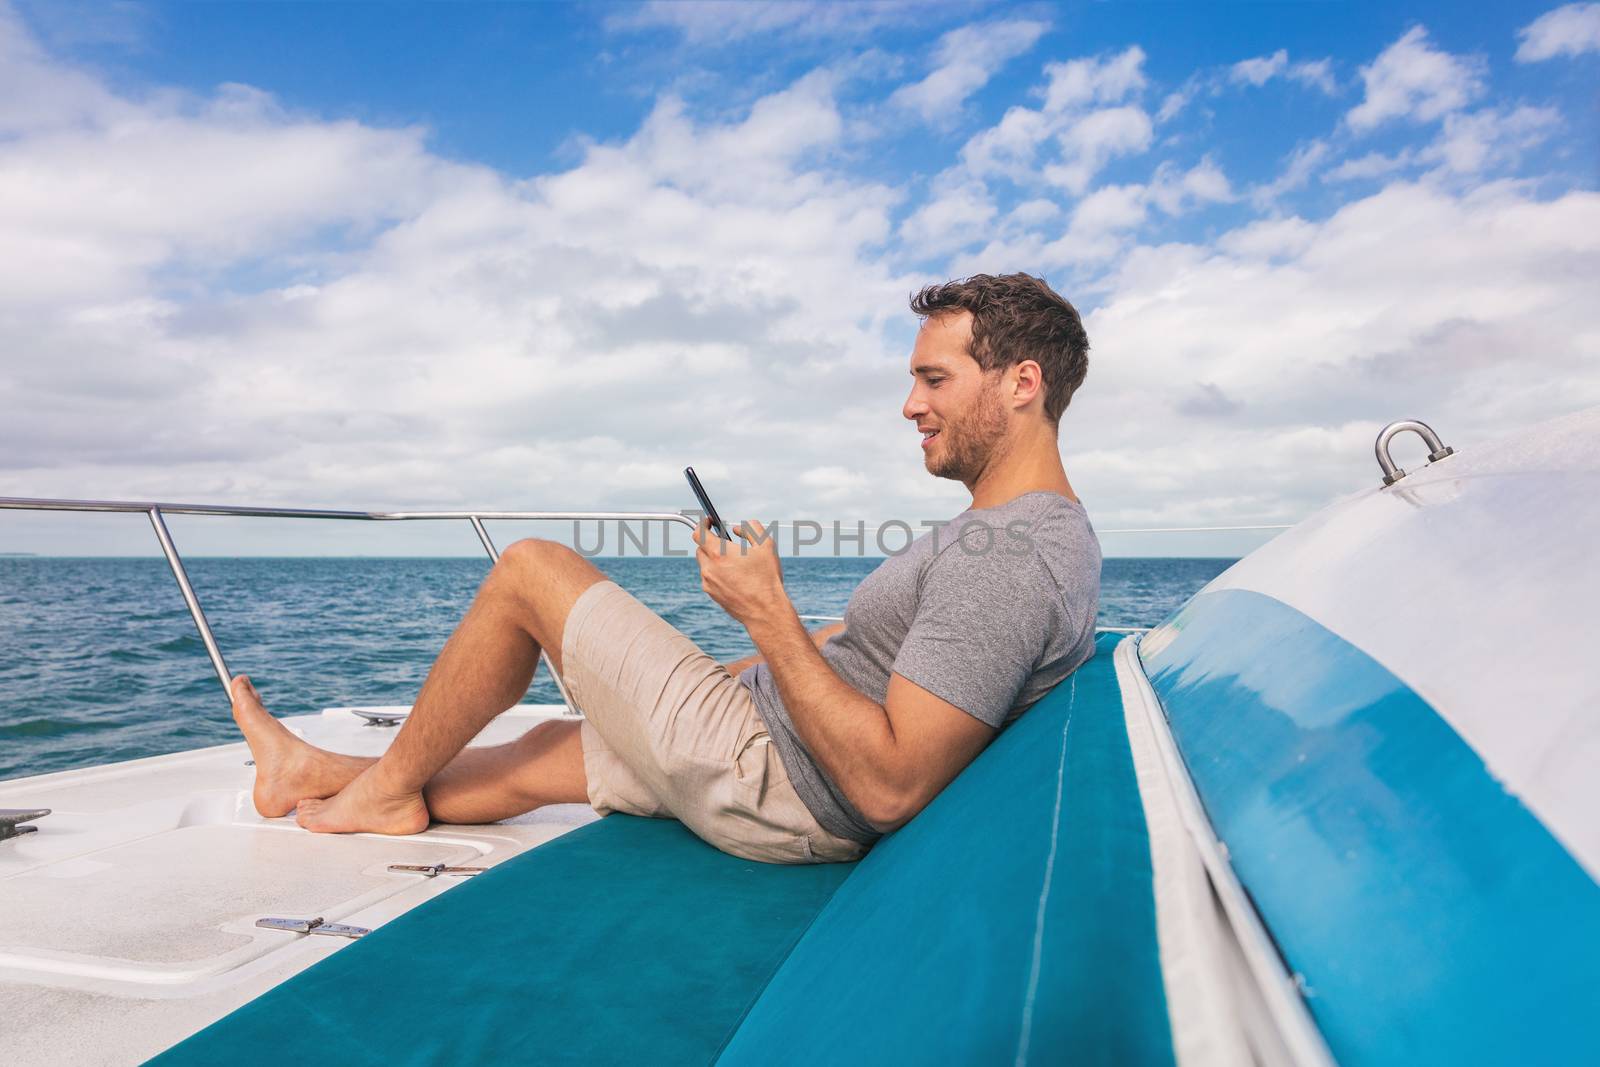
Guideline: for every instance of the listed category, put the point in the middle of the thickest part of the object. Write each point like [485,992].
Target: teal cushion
[625,941]
[1012,921]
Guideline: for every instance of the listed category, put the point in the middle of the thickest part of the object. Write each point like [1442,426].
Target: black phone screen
[705,504]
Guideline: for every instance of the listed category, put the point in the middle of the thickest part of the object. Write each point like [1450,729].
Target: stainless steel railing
[157,512]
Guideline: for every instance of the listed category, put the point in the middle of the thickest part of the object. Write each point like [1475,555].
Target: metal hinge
[314,926]
[11,820]
[435,869]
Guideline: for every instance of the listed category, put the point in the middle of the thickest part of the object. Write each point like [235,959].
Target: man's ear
[1029,382]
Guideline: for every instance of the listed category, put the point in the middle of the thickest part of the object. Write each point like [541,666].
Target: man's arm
[818,637]
[890,759]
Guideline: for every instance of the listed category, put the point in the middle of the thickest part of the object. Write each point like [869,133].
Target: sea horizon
[102,663]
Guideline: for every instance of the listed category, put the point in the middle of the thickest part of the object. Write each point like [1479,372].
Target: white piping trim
[1203,977]
[1044,893]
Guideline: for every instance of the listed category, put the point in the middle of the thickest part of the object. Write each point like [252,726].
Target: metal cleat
[378,717]
[11,820]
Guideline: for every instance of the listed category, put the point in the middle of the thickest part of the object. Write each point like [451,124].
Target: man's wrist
[773,622]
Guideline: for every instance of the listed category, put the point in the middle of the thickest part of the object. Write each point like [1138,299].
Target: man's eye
[934,381]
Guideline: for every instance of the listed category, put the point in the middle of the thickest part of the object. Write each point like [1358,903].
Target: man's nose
[914,407]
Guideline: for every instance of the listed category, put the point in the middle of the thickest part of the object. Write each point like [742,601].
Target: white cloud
[1371,165]
[1174,191]
[953,219]
[464,338]
[965,59]
[69,24]
[1087,136]
[95,201]
[1111,207]
[1101,225]
[1470,143]
[1297,171]
[211,296]
[36,93]
[1172,105]
[836,484]
[1411,79]
[1567,31]
[1009,147]
[1097,80]
[1034,212]
[1318,74]
[712,22]
[1090,142]
[1269,239]
[1262,69]
[1269,360]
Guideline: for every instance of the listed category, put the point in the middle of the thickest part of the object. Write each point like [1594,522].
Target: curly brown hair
[1017,317]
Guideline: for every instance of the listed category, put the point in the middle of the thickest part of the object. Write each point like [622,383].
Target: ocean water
[99,660]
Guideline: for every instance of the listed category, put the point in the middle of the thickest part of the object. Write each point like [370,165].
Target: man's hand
[743,576]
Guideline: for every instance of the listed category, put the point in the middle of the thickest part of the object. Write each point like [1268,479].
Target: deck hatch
[181,904]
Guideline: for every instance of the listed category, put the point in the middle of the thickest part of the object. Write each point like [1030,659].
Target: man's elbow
[888,808]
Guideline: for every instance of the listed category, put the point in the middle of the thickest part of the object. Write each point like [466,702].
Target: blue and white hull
[1390,716]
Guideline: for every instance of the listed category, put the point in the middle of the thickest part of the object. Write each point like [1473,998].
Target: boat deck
[130,919]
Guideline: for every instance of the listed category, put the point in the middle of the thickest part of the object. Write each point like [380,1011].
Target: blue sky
[514,85]
[451,254]
[520,86]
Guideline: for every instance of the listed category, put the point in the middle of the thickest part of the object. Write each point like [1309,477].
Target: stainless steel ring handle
[1391,472]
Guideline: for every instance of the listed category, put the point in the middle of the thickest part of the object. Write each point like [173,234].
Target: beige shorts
[669,733]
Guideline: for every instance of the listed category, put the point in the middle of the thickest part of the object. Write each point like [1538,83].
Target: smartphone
[705,504]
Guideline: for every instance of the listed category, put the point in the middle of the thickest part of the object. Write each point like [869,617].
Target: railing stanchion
[483,535]
[170,550]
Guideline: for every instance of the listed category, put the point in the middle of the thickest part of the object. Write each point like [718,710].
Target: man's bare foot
[288,769]
[362,808]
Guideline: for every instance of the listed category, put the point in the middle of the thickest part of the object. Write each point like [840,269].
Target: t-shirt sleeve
[982,624]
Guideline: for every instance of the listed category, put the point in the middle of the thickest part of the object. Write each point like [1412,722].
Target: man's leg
[485,668]
[484,784]
[543,766]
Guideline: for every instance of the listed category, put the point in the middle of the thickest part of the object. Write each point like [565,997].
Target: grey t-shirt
[988,613]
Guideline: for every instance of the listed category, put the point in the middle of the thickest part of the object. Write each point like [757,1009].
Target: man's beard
[970,442]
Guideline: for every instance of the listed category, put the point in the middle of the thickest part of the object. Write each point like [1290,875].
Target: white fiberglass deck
[128,920]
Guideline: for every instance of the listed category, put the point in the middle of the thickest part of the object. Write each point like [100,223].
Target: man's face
[954,403]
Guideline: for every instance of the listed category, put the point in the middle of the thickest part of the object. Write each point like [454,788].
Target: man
[813,748]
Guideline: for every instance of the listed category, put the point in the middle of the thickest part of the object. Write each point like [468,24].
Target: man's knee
[534,564]
[535,554]
[545,578]
[546,737]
